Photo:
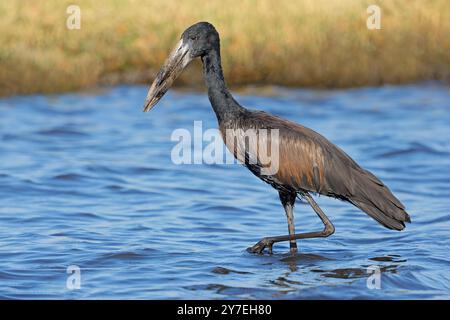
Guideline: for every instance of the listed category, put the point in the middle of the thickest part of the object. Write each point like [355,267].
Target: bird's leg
[327,231]
[288,201]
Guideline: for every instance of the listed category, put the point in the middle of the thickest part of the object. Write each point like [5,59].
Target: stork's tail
[375,199]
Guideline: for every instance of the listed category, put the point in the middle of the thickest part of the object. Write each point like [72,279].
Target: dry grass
[300,43]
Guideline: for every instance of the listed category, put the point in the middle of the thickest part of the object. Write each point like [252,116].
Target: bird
[309,164]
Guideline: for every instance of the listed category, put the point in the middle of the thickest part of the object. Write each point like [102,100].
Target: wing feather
[309,162]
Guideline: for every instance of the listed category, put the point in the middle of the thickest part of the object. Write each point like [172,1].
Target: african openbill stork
[308,162]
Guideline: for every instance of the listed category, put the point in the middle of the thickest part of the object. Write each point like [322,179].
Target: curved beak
[178,59]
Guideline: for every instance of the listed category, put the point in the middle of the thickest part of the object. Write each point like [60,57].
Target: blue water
[87,180]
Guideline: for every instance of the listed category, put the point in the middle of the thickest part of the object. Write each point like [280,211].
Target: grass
[316,43]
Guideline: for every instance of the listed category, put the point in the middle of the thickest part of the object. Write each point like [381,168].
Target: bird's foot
[261,245]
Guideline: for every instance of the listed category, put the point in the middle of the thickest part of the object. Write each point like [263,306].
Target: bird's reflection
[307,263]
[304,259]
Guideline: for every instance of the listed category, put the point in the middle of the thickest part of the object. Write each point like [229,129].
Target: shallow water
[87,180]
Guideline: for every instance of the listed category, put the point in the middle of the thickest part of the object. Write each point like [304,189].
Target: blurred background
[314,43]
[87,181]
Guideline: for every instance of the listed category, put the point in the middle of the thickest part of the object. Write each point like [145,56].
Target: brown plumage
[311,163]
[307,162]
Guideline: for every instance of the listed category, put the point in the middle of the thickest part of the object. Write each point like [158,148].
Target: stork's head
[196,41]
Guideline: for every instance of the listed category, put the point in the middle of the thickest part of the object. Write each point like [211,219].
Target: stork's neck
[221,99]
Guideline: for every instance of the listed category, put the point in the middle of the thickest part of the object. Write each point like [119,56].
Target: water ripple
[95,189]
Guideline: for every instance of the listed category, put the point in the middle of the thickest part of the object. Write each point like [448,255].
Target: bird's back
[308,162]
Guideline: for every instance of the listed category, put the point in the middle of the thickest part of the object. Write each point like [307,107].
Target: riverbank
[306,43]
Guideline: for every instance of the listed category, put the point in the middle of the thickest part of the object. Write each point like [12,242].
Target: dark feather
[311,163]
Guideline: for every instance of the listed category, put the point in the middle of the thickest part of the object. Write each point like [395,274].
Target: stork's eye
[193,37]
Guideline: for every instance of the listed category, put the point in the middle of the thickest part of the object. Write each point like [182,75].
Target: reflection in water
[87,180]
[304,259]
[313,262]
[222,270]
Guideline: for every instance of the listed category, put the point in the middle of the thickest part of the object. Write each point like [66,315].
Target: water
[87,180]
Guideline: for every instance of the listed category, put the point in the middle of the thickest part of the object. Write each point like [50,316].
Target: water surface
[87,179]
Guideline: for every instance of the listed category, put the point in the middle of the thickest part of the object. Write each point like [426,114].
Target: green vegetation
[319,43]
